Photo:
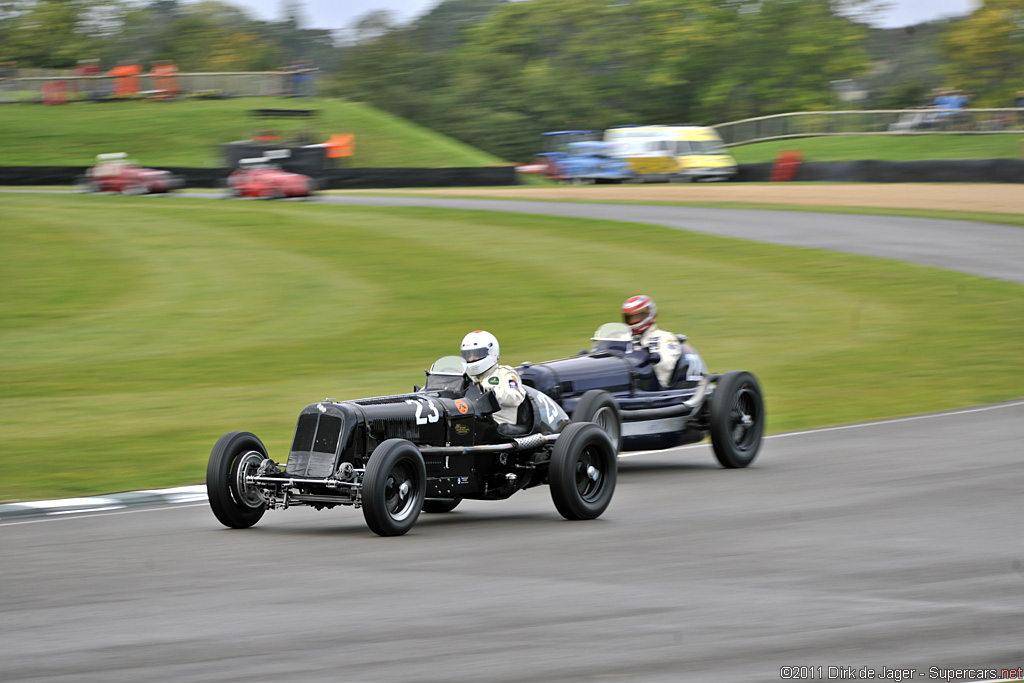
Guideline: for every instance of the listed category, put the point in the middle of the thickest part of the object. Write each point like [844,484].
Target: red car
[116,173]
[263,179]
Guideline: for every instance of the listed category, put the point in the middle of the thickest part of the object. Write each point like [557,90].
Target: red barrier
[786,166]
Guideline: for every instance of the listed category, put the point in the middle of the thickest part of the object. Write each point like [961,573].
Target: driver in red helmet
[640,313]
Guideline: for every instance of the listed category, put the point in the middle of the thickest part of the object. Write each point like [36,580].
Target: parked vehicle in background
[591,162]
[677,153]
[115,172]
[555,148]
[261,178]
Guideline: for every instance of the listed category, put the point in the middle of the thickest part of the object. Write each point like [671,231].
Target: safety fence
[925,121]
[58,89]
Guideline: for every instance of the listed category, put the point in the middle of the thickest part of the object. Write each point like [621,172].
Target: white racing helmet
[480,351]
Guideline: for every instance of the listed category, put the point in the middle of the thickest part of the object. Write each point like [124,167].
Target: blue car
[591,162]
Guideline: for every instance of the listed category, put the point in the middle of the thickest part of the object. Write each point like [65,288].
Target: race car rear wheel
[394,487]
[737,419]
[583,471]
[438,505]
[600,408]
[235,455]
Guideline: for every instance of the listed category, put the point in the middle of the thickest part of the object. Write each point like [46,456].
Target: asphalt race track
[886,546]
[986,249]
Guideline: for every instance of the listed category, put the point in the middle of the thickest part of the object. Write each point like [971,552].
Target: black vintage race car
[614,385]
[395,456]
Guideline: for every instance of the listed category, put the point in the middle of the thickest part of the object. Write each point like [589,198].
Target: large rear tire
[234,503]
[737,419]
[394,487]
[583,471]
[600,408]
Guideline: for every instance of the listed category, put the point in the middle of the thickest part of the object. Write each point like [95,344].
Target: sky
[335,14]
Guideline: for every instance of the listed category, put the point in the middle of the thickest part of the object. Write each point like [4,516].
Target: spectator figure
[304,79]
[126,81]
[165,79]
[1018,103]
[86,70]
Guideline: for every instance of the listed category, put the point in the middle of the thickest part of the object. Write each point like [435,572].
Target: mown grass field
[135,331]
[189,132]
[887,148]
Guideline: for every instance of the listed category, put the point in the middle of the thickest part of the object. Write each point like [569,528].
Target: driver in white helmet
[480,351]
[640,313]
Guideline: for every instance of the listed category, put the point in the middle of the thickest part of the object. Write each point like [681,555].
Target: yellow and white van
[679,152]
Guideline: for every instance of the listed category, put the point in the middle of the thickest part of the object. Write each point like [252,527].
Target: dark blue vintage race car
[614,385]
[395,456]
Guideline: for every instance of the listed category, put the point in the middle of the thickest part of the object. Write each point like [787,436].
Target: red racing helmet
[640,313]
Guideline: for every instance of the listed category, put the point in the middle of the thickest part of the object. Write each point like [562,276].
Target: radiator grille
[327,434]
[304,432]
[320,465]
[314,446]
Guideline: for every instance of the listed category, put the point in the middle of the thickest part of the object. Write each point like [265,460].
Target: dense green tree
[986,51]
[52,33]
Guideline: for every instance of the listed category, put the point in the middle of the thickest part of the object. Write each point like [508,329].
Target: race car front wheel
[737,419]
[394,487]
[584,468]
[235,455]
[84,184]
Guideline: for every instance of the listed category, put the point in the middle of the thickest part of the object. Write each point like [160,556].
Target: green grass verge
[134,331]
[190,132]
[887,148]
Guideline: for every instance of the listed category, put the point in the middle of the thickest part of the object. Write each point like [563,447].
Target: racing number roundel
[462,406]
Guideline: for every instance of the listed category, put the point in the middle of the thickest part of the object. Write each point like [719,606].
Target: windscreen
[611,336]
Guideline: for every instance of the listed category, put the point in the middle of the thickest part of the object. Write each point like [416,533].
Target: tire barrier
[966,171]
[935,171]
[329,179]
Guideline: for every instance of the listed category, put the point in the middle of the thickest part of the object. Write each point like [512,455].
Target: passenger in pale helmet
[481,352]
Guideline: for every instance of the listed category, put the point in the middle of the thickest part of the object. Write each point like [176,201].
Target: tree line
[495,73]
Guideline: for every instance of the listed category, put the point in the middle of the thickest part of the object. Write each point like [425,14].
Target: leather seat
[524,421]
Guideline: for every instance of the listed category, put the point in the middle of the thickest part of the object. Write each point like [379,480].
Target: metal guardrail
[78,88]
[922,121]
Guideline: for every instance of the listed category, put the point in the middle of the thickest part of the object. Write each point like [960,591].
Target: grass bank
[887,148]
[189,132]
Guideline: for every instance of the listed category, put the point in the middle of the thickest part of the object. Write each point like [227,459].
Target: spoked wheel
[584,468]
[235,503]
[394,487]
[737,419]
[600,408]
[439,505]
